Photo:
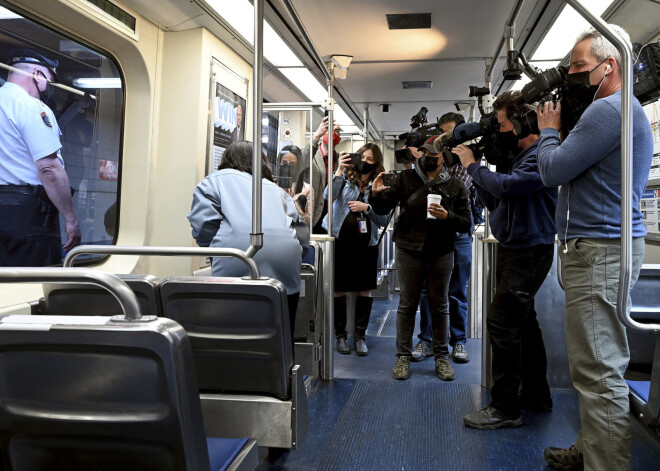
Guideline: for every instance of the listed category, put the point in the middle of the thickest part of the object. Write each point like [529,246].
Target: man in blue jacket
[522,213]
[587,165]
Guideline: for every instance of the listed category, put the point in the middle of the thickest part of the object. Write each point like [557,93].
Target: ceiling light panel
[240,15]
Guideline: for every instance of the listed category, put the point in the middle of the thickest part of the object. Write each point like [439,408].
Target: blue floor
[365,420]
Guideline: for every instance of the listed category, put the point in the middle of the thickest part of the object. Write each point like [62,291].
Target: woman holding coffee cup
[434,207]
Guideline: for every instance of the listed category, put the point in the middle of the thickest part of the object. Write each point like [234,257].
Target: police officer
[34,186]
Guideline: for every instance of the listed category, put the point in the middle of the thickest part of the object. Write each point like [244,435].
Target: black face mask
[365,167]
[508,143]
[577,95]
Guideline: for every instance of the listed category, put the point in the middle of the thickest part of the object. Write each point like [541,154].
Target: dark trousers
[362,315]
[458,297]
[29,228]
[414,268]
[519,361]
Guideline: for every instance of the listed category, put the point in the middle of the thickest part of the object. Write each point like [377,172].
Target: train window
[87,101]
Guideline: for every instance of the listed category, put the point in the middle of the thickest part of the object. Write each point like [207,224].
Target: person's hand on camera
[548,115]
[344,163]
[377,186]
[437,211]
[358,206]
[415,152]
[465,154]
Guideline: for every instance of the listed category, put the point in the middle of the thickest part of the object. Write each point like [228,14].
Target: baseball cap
[428,145]
[28,56]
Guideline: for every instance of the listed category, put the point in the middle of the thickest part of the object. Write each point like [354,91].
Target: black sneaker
[568,459]
[490,418]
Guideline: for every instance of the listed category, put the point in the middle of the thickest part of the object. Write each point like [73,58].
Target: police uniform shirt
[28,132]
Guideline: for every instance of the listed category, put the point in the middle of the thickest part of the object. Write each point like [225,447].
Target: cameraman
[587,165]
[458,300]
[522,218]
[424,249]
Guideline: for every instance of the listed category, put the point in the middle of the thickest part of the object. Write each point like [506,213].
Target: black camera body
[355,158]
[391,179]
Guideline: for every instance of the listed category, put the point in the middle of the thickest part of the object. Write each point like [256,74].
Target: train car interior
[133,352]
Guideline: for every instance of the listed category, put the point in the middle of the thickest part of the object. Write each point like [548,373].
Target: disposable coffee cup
[432,199]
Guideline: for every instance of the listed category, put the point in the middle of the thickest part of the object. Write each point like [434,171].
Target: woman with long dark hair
[294,178]
[221,216]
[355,227]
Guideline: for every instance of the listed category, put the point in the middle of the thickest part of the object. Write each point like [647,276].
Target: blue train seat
[94,393]
[645,395]
[241,344]
[79,299]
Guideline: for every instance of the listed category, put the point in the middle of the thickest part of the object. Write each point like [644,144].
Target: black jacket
[412,230]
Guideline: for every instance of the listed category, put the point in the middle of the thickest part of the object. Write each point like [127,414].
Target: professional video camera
[547,85]
[420,132]
[487,128]
[646,72]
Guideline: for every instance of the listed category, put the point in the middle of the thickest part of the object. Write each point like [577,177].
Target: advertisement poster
[228,121]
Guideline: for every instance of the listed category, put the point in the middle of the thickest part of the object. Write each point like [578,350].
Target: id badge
[362,225]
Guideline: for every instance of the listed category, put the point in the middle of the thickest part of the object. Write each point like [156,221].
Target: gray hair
[601,47]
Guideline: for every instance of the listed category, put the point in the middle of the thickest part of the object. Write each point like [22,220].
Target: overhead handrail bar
[318,60]
[510,23]
[626,165]
[305,36]
[163,251]
[116,287]
[291,105]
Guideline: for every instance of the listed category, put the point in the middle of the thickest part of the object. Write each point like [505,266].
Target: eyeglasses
[40,74]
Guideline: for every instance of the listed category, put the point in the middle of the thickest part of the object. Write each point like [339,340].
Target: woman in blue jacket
[355,227]
[221,216]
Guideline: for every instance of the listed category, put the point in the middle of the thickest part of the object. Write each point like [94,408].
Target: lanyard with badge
[362,219]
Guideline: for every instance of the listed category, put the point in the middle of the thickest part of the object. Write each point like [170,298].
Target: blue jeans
[414,269]
[458,297]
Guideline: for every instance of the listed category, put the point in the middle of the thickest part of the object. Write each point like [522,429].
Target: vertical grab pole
[328,363]
[626,164]
[331,167]
[328,366]
[366,123]
[257,236]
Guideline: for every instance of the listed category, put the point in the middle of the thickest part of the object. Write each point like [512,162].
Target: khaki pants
[598,351]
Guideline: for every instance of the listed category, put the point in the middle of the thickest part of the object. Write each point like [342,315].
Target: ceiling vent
[409,21]
[418,84]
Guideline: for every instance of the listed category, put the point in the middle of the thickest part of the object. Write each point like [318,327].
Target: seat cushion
[223,451]
[641,388]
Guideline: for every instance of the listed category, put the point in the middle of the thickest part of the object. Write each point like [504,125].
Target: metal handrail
[257,236]
[626,165]
[164,251]
[119,289]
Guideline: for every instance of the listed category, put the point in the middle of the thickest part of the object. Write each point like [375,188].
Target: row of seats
[238,343]
[95,393]
[241,344]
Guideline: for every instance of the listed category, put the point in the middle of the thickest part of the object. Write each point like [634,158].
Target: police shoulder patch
[44,117]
